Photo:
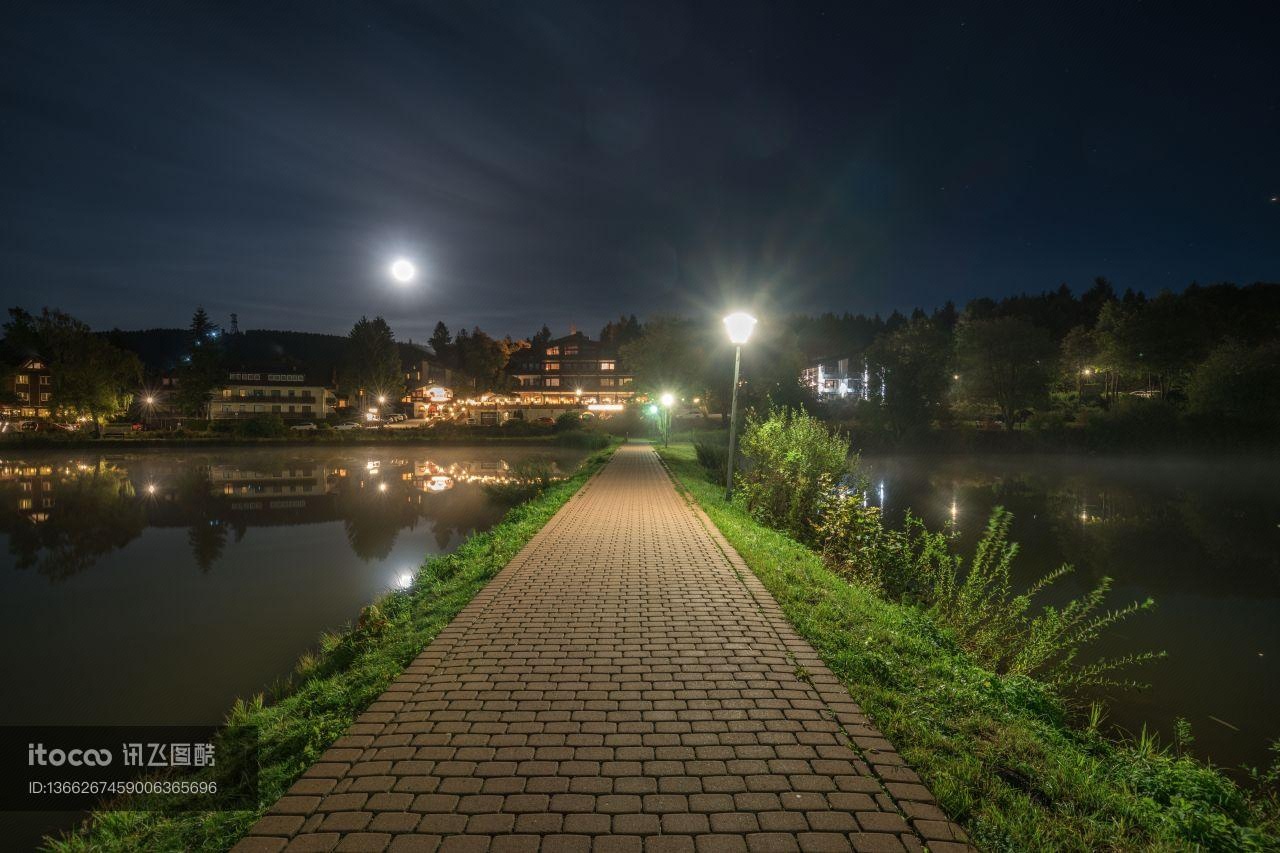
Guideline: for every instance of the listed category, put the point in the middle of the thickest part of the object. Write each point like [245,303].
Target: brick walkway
[624,684]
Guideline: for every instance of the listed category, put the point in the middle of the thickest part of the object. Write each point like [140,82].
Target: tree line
[1208,355]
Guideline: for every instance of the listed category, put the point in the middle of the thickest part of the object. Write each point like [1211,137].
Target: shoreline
[571,439]
[1015,765]
[335,681]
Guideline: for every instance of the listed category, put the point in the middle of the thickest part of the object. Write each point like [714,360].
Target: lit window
[553,350]
[24,379]
[606,381]
[553,381]
[607,365]
[551,365]
[44,380]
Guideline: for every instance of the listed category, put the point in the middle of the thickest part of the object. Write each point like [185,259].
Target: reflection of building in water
[299,480]
[33,487]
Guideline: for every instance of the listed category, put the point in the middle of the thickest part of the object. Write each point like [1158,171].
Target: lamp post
[668,400]
[739,326]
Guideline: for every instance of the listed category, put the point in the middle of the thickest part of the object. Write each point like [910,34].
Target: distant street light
[739,326]
[668,400]
[403,270]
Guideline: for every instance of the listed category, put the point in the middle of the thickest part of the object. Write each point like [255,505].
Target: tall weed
[1003,629]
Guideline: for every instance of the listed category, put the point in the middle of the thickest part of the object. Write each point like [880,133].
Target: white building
[833,378]
[289,394]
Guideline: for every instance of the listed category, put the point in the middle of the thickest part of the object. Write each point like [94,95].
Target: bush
[627,422]
[713,456]
[519,426]
[586,439]
[1132,422]
[568,421]
[791,463]
[903,565]
[261,426]
[529,477]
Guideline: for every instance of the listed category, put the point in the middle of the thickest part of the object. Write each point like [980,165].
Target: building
[573,371]
[31,394]
[833,378]
[291,394]
[428,389]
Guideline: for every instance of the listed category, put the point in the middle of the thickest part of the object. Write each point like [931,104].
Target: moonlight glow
[403,270]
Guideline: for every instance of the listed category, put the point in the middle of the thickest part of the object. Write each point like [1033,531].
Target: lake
[1200,536]
[157,586]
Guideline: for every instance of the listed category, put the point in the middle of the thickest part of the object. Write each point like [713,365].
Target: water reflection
[62,516]
[1200,536]
[160,585]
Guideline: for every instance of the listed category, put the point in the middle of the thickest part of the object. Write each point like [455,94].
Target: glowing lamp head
[150,401]
[739,326]
[403,270]
[653,410]
[668,400]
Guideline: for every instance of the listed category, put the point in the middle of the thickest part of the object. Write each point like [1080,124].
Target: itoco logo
[38,755]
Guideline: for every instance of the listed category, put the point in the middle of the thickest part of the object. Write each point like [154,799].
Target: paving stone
[624,684]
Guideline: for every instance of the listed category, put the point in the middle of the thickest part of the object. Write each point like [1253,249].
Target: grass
[333,685]
[1001,754]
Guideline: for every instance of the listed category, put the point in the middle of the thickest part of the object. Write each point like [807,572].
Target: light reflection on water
[1201,537]
[158,586]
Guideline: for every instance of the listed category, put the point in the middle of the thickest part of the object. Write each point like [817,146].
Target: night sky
[569,162]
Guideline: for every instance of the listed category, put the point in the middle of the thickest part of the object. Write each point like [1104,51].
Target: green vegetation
[91,378]
[792,462]
[527,479]
[1004,753]
[330,687]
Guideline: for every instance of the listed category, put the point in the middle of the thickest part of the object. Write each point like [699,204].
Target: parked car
[347,426]
[307,427]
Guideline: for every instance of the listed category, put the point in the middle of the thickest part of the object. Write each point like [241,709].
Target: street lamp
[739,326]
[668,400]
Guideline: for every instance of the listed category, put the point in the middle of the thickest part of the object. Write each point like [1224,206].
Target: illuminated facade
[31,394]
[834,378]
[293,395]
[570,371]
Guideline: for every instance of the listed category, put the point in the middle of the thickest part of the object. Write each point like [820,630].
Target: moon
[403,270]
